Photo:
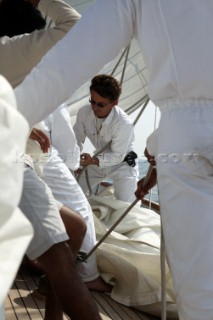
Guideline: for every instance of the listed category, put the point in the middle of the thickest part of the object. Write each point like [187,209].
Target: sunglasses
[98,104]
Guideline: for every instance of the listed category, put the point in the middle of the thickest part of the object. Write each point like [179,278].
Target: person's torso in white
[116,128]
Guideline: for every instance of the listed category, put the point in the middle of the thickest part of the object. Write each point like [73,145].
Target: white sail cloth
[130,256]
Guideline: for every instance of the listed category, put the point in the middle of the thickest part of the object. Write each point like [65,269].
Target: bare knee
[75,227]
[73,220]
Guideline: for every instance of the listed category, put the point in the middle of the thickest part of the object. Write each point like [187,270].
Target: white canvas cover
[130,256]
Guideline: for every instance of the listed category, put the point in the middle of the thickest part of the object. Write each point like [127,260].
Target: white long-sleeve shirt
[19,54]
[116,128]
[174,36]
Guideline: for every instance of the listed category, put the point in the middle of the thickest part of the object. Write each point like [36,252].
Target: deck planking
[20,304]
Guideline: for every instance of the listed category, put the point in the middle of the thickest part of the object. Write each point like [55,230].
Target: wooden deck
[21,305]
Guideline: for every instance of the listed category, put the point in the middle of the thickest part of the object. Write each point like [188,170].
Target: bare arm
[143,189]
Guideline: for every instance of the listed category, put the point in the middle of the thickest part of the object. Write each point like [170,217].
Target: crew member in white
[105,123]
[65,156]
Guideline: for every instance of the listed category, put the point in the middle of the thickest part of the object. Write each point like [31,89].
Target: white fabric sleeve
[152,143]
[19,54]
[65,67]
[63,137]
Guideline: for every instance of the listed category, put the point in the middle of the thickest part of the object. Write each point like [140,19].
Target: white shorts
[39,206]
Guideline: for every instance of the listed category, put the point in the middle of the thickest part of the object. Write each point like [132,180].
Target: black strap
[130,158]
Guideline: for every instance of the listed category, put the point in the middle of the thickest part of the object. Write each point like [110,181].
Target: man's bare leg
[65,290]
[75,228]
[69,294]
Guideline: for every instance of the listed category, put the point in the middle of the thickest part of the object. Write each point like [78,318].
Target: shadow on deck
[21,305]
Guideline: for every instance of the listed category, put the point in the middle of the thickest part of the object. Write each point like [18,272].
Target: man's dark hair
[106,86]
[19,17]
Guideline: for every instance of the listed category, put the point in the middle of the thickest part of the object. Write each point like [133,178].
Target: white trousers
[123,176]
[185,179]
[66,190]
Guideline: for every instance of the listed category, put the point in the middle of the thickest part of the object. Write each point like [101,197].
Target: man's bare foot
[99,285]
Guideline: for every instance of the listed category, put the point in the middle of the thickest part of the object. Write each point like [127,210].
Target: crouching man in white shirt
[105,123]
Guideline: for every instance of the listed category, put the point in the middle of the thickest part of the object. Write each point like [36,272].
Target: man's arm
[19,54]
[142,187]
[87,160]
[77,57]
